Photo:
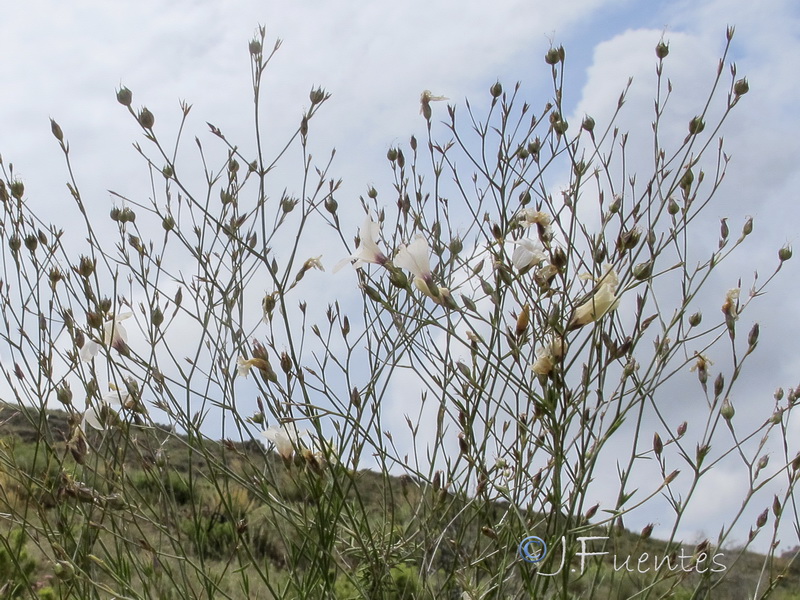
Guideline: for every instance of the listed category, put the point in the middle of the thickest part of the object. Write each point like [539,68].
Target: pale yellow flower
[603,301]
[548,355]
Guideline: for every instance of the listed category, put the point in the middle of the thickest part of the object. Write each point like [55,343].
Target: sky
[66,60]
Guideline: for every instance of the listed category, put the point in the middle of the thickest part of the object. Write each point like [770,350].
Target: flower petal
[415,257]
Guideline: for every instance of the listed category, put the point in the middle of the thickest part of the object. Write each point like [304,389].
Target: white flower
[414,258]
[528,253]
[604,299]
[285,438]
[114,400]
[368,251]
[114,333]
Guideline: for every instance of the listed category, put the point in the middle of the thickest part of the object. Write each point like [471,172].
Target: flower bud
[741,87]
[694,320]
[391,154]
[86,266]
[727,411]
[316,95]
[286,362]
[288,204]
[31,242]
[355,397]
[17,189]
[56,129]
[146,118]
[687,180]
[372,293]
[552,57]
[523,319]
[588,123]
[372,192]
[560,127]
[658,445]
[331,205]
[672,207]
[763,462]
[456,246]
[255,47]
[14,243]
[719,385]
[398,279]
[762,518]
[748,226]
[559,258]
[647,531]
[64,570]
[55,276]
[64,395]
[696,125]
[643,270]
[662,50]
[752,338]
[785,253]
[496,90]
[682,429]
[168,223]
[591,512]
[124,96]
[127,215]
[115,214]
[723,229]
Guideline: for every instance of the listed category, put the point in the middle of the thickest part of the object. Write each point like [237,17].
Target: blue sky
[66,60]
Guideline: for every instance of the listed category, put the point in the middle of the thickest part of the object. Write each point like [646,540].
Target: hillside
[152,513]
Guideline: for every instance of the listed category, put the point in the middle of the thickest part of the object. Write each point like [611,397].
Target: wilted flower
[114,335]
[702,363]
[414,258]
[313,263]
[730,306]
[528,253]
[243,366]
[542,220]
[548,355]
[285,438]
[603,300]
[368,251]
[425,99]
